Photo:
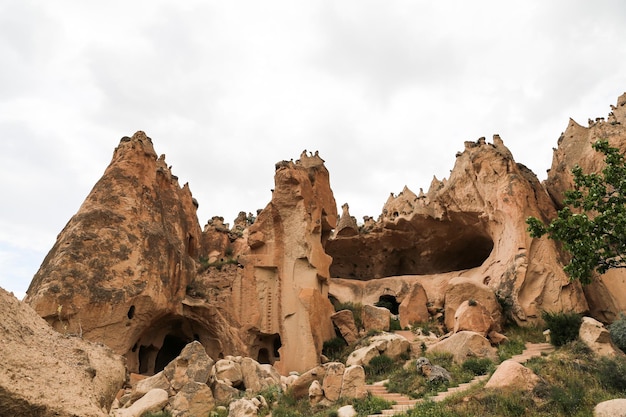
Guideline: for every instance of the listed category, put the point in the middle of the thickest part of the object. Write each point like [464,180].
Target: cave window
[277,345]
[264,356]
[131,312]
[389,302]
[146,358]
[172,346]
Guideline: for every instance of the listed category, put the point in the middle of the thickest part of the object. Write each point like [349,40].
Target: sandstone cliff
[44,373]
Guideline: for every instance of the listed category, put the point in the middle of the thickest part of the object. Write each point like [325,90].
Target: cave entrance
[267,347]
[164,339]
[172,346]
[389,302]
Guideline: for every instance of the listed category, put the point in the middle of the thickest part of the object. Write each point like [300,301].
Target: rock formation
[45,373]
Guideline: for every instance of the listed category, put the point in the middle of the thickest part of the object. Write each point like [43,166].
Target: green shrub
[612,374]
[394,324]
[379,365]
[478,366]
[563,326]
[333,349]
[370,405]
[618,332]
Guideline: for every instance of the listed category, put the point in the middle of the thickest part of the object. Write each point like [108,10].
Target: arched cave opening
[389,302]
[164,339]
[267,347]
[422,245]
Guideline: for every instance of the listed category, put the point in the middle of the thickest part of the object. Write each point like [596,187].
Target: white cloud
[386,91]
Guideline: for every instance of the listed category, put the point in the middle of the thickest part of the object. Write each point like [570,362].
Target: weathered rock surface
[375,318]
[473,316]
[154,400]
[44,373]
[330,382]
[389,344]
[434,373]
[465,345]
[611,408]
[344,321]
[513,376]
[597,337]
[414,307]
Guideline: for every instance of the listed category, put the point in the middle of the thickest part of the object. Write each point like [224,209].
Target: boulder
[142,387]
[471,315]
[243,408]
[193,399]
[257,377]
[300,387]
[346,411]
[464,345]
[434,373]
[332,382]
[344,321]
[389,344]
[224,392]
[364,355]
[353,382]
[316,393]
[193,364]
[611,408]
[597,337]
[375,318]
[511,375]
[228,371]
[413,308]
[153,401]
[463,289]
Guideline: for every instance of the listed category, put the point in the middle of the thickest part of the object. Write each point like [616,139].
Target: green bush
[394,324]
[618,332]
[563,326]
[370,405]
[612,374]
[333,349]
[478,366]
[379,365]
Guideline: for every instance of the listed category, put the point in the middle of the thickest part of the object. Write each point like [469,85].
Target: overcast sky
[387,91]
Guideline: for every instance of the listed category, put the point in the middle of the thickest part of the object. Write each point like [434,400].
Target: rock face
[465,345]
[472,226]
[606,296]
[133,269]
[597,337]
[44,373]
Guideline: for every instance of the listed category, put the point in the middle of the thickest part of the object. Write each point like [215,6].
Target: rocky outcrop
[471,225]
[606,295]
[389,344]
[465,345]
[597,337]
[45,373]
[611,408]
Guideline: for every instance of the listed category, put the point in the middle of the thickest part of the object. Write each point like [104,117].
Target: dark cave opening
[172,346]
[420,246]
[268,346]
[389,302]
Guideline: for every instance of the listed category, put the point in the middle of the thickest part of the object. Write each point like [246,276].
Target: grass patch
[370,405]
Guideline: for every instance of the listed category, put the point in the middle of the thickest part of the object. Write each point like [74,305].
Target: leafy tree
[592,225]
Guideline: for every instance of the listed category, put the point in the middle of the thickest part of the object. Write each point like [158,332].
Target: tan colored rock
[473,316]
[353,382]
[45,373]
[257,377]
[511,375]
[194,399]
[346,411]
[388,344]
[228,371]
[193,364]
[344,321]
[119,270]
[332,383]
[223,392]
[316,393]
[465,345]
[153,401]
[346,226]
[364,355]
[497,338]
[243,408]
[142,387]
[375,318]
[300,387]
[413,309]
[597,337]
[461,290]
[611,408]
